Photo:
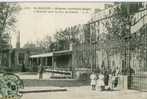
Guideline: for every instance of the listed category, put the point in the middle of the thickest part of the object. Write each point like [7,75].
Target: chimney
[18,40]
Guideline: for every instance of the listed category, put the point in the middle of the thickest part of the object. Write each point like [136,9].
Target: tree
[118,27]
[29,45]
[44,44]
[86,28]
[65,37]
[7,22]
[62,38]
[53,46]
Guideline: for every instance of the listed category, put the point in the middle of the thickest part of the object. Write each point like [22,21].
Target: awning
[42,55]
[56,53]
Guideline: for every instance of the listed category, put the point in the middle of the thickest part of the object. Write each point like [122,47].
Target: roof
[64,52]
[56,53]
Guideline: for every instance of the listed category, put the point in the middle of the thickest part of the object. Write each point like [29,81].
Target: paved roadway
[85,92]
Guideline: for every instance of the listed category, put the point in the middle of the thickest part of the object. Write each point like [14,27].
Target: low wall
[57,83]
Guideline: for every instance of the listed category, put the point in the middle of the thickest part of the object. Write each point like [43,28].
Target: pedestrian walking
[93,82]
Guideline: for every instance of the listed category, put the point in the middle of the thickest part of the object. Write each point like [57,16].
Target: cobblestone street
[85,92]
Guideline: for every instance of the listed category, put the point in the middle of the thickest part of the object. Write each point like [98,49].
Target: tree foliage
[45,44]
[65,37]
[29,45]
[7,22]
[118,26]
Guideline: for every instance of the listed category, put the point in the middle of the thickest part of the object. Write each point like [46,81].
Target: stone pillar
[55,63]
[123,82]
[41,60]
[77,77]
[9,59]
[37,61]
[52,62]
[30,61]
[46,61]
[16,58]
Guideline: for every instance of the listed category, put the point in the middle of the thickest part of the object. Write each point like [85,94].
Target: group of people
[104,80]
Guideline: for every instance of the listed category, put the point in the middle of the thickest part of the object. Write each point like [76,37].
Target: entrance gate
[124,55]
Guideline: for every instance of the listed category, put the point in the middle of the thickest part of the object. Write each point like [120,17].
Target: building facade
[15,58]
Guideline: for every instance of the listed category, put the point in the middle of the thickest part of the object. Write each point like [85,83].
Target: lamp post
[127,41]
[93,62]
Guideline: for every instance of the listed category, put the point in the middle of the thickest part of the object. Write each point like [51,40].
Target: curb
[39,91]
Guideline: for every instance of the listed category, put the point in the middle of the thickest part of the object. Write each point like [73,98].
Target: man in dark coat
[41,72]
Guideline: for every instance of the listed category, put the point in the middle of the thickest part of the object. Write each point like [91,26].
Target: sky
[37,20]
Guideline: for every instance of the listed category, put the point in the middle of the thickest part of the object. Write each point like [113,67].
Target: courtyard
[85,92]
[74,89]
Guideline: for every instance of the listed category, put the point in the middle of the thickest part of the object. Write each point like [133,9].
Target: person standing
[100,82]
[106,77]
[93,82]
[116,77]
[131,72]
[41,72]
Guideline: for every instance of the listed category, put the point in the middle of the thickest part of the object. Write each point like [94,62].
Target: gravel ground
[85,92]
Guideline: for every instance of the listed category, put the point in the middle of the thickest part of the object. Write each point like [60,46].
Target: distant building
[16,57]
[57,60]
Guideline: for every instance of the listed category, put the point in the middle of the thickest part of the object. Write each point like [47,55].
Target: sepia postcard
[73,50]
